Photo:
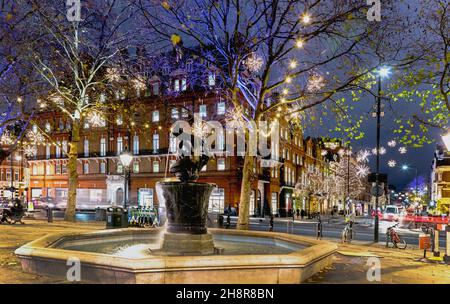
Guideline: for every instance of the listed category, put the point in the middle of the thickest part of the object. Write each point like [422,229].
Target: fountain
[183,252]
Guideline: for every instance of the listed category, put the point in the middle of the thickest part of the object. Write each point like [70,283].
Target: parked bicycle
[348,234]
[393,237]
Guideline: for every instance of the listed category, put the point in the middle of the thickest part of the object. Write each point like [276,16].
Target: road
[334,230]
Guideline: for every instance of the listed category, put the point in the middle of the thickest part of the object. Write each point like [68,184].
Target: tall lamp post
[406,168]
[125,159]
[382,72]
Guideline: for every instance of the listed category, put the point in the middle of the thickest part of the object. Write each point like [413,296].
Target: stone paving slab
[397,266]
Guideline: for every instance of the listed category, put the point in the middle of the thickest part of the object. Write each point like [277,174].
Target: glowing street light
[384,71]
[126,158]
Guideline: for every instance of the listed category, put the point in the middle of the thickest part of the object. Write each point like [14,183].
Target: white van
[392,212]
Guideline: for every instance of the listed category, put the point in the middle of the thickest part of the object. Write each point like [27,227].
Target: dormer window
[176,85]
[183,84]
[211,79]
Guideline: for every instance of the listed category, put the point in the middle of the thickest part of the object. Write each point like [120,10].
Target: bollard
[49,215]
[447,244]
[436,252]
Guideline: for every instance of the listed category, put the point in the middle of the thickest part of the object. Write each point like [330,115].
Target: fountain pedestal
[186,211]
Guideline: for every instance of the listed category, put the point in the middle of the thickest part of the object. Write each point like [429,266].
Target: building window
[184,113]
[155,88]
[274,202]
[48,169]
[86,125]
[217,200]
[102,146]
[221,108]
[155,116]
[119,120]
[86,147]
[136,167]
[103,167]
[64,147]
[155,142]
[211,79]
[183,84]
[176,85]
[221,164]
[48,151]
[172,143]
[220,141]
[156,166]
[119,168]
[136,145]
[58,149]
[58,169]
[252,203]
[119,145]
[63,169]
[16,175]
[145,197]
[48,128]
[203,111]
[175,114]
[86,168]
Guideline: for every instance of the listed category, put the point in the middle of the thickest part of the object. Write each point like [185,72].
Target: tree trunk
[244,203]
[73,174]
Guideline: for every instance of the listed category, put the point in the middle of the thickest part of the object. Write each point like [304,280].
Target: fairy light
[315,82]
[299,43]
[363,156]
[35,137]
[6,139]
[362,171]
[234,118]
[96,120]
[288,79]
[306,18]
[139,83]
[30,150]
[293,64]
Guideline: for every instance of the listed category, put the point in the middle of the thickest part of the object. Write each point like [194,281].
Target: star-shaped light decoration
[402,150]
[362,171]
[96,120]
[363,156]
[382,151]
[392,163]
[112,74]
[139,83]
[392,143]
[315,82]
[30,150]
[254,63]
[35,137]
[235,118]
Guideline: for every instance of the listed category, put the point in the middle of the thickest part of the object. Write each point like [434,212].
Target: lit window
[155,88]
[203,111]
[211,79]
[103,146]
[86,147]
[86,125]
[172,143]
[64,148]
[176,85]
[103,167]
[136,144]
[58,168]
[183,84]
[175,114]
[48,169]
[221,108]
[155,116]
[184,113]
[155,142]
[35,128]
[48,128]
[47,151]
[58,149]
[221,164]
[119,145]
[220,141]
[119,168]
[102,98]
[86,168]
[156,166]
[119,120]
[136,167]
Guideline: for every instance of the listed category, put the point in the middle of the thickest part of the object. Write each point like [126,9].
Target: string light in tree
[293,64]
[392,163]
[254,63]
[306,18]
[392,143]
[402,150]
[139,83]
[299,43]
[57,100]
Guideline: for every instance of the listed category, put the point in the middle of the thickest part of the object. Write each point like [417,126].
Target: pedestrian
[332,213]
[293,216]
[319,227]
[298,213]
[271,223]
[302,214]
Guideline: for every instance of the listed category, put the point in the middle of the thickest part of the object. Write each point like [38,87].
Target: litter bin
[100,214]
[116,217]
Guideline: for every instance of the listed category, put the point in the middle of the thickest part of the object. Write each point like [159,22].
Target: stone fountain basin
[43,257]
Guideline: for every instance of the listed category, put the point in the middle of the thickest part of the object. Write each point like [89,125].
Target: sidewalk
[397,266]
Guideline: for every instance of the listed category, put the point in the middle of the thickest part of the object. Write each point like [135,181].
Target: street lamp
[125,159]
[446,140]
[382,72]
[406,168]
